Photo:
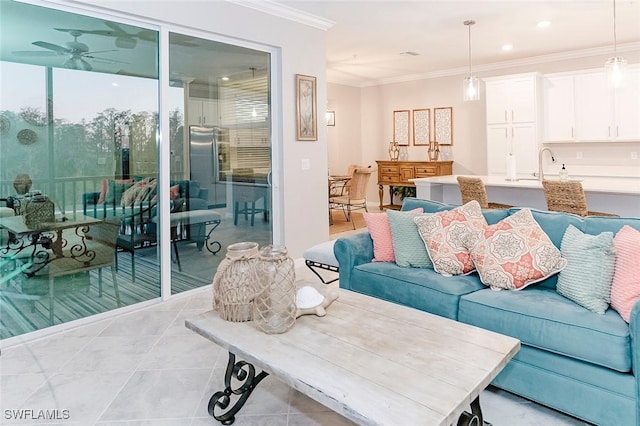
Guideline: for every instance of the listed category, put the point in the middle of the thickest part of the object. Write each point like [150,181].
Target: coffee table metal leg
[474,418]
[244,373]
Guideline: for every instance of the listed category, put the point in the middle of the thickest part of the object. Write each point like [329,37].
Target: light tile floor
[147,368]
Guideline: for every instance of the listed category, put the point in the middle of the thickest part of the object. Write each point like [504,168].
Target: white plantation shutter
[245,112]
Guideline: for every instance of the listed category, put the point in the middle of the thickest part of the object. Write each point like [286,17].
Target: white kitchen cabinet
[203,112]
[512,99]
[581,107]
[512,123]
[559,112]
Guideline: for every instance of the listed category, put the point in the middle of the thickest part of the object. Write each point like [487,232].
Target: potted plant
[404,191]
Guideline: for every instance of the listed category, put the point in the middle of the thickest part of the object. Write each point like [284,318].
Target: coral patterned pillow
[515,253]
[447,235]
[380,230]
[625,287]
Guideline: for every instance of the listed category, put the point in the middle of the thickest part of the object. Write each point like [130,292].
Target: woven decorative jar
[236,282]
[274,307]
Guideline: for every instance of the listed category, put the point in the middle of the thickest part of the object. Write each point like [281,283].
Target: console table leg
[474,418]
[244,373]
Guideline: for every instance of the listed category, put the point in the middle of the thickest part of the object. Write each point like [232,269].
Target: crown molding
[574,54]
[286,12]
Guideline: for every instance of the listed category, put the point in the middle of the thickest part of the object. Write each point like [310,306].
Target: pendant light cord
[469,23]
[615,39]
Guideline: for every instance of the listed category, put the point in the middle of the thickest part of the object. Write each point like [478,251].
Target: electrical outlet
[579,155]
[305,164]
[634,155]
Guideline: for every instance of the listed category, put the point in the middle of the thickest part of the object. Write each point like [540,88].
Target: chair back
[473,189]
[565,196]
[359,181]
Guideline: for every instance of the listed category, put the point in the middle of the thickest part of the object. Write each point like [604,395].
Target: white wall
[304,204]
[377,104]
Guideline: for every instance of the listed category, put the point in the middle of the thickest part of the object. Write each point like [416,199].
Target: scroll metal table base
[474,418]
[245,374]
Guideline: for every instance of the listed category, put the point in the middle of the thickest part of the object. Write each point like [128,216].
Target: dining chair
[568,197]
[98,253]
[472,188]
[356,198]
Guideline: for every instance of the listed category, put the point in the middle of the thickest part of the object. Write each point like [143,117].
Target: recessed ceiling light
[507,47]
[114,84]
[225,78]
[544,24]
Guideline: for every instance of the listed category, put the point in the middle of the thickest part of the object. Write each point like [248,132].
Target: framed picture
[401,127]
[421,126]
[306,108]
[443,125]
[331,118]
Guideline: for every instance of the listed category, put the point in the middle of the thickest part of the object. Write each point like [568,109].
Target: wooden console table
[398,173]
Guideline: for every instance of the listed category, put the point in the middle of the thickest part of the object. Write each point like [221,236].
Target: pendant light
[471,85]
[615,65]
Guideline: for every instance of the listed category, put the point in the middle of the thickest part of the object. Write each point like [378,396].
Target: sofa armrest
[634,330]
[352,251]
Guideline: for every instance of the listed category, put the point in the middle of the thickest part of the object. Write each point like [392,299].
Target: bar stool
[473,189]
[568,197]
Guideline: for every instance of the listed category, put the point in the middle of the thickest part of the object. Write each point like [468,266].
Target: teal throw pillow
[408,247]
[590,264]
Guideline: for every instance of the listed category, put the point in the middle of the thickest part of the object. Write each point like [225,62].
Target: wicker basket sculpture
[274,307]
[236,282]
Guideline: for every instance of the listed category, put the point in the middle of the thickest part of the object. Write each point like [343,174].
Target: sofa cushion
[625,286]
[422,289]
[587,277]
[408,248]
[448,236]
[544,319]
[515,253]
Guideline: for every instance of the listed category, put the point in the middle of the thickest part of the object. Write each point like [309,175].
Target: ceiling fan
[129,40]
[77,52]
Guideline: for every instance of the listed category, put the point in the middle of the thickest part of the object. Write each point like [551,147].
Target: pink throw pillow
[625,286]
[380,230]
[174,192]
[103,191]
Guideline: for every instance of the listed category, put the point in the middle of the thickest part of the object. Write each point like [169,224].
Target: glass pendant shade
[471,88]
[615,68]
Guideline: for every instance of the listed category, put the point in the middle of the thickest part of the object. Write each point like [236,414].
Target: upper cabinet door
[627,107]
[497,94]
[559,113]
[522,100]
[594,116]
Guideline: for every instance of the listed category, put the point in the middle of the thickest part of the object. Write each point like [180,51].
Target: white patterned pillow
[515,253]
[447,236]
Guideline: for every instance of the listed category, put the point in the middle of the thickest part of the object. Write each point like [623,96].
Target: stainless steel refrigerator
[209,160]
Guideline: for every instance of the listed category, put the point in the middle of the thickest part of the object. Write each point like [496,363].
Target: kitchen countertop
[610,185]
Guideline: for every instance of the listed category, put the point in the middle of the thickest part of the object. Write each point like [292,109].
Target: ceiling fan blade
[117,28]
[61,50]
[105,60]
[96,32]
[84,65]
[86,54]
[35,53]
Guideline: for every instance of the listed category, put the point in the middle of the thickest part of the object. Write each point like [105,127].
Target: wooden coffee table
[372,361]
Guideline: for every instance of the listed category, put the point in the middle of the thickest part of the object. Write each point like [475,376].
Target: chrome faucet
[553,160]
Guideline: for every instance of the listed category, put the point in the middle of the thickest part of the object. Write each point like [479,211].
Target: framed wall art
[421,126]
[331,118]
[443,125]
[306,108]
[401,127]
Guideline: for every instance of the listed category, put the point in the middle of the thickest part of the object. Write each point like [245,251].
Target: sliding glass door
[221,148]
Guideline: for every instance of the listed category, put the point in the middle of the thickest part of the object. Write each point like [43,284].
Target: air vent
[410,54]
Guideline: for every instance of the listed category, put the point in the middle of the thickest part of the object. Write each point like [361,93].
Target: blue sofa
[571,359]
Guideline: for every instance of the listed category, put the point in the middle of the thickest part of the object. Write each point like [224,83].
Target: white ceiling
[365,43]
